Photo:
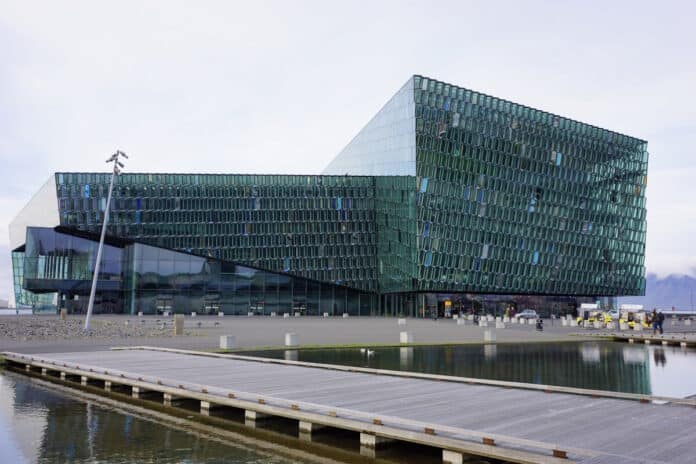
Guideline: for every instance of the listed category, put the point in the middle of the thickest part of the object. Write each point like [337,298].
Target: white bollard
[291,339]
[499,325]
[326,314]
[405,337]
[489,335]
[470,317]
[483,322]
[193,314]
[166,314]
[573,323]
[623,326]
[521,320]
[461,322]
[506,319]
[597,325]
[273,314]
[221,314]
[286,315]
[140,314]
[345,315]
[401,321]
[226,342]
[564,322]
[498,319]
[297,314]
[611,326]
[514,320]
[490,318]
[250,313]
[455,316]
[687,322]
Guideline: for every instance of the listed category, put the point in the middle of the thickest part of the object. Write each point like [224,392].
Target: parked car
[527,314]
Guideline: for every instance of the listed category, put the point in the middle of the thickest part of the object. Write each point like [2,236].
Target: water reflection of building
[601,366]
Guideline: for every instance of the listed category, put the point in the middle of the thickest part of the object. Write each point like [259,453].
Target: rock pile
[53,328]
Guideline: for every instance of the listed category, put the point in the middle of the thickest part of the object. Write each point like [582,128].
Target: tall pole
[116,171]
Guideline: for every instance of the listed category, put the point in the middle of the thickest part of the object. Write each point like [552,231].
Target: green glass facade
[445,191]
[517,200]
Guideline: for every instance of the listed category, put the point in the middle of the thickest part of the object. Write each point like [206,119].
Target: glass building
[446,198]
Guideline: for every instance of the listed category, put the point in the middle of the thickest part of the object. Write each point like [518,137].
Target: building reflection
[586,365]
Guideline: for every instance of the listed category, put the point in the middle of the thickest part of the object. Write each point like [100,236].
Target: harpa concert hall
[447,200]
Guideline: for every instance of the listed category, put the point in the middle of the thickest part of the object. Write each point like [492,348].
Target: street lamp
[118,165]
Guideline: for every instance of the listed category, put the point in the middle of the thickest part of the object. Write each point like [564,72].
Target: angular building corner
[448,199]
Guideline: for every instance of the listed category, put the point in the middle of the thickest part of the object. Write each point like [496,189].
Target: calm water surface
[612,366]
[38,425]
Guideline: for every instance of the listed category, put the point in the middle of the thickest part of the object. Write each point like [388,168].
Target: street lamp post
[118,165]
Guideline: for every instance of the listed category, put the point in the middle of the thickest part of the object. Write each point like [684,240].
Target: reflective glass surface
[136,277]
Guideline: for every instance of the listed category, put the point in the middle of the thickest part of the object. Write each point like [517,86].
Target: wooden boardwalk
[502,421]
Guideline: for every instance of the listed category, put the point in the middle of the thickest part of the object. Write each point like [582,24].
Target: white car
[527,314]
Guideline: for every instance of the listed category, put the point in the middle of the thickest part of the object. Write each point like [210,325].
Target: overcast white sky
[281,87]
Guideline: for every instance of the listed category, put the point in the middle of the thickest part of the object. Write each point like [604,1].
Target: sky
[282,86]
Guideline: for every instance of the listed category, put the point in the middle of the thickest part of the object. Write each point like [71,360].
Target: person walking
[660,321]
[653,320]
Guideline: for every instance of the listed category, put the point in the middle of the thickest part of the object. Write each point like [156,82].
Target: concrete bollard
[499,325]
[489,335]
[297,314]
[687,322]
[564,322]
[193,314]
[286,315]
[490,318]
[623,326]
[483,323]
[178,324]
[506,319]
[405,337]
[638,327]
[611,326]
[461,322]
[250,313]
[573,323]
[597,325]
[166,314]
[326,314]
[226,342]
[273,314]
[521,320]
[140,314]
[513,320]
[401,321]
[345,315]
[498,319]
[221,314]
[470,317]
[291,339]
[63,313]
[455,316]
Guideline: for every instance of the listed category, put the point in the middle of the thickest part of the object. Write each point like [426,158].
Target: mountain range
[673,290]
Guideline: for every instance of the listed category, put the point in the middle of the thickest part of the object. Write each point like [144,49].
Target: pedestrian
[660,321]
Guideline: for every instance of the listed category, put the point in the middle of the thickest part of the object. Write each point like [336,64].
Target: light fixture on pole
[118,165]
